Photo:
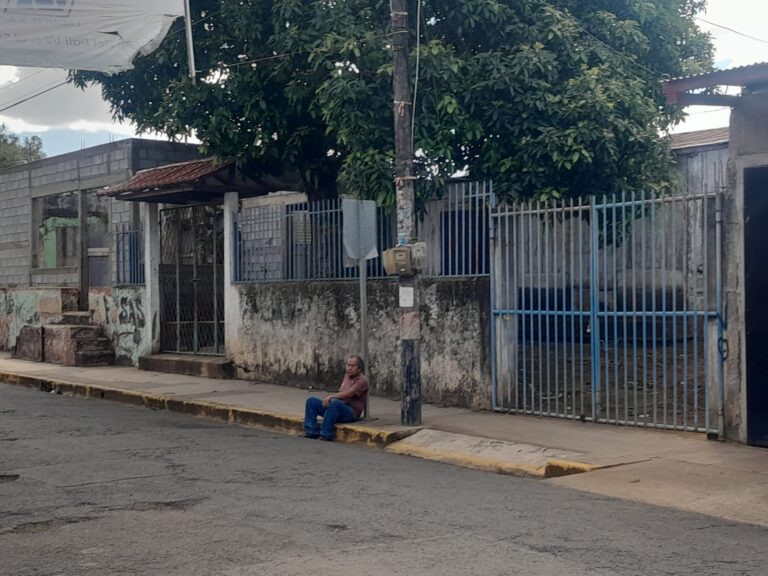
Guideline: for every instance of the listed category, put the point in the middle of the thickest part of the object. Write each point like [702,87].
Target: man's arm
[356,389]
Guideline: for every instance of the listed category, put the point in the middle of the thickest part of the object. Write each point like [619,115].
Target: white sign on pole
[406,296]
[359,230]
[98,35]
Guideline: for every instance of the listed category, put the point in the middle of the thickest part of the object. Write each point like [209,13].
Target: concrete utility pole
[410,323]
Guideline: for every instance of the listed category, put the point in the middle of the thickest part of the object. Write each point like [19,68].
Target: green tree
[15,150]
[547,98]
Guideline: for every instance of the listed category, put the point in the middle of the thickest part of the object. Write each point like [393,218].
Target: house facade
[173,254]
[58,242]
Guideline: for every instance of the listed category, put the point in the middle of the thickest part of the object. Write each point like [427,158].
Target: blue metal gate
[608,310]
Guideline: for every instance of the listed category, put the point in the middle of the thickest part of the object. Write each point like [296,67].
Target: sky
[68,119]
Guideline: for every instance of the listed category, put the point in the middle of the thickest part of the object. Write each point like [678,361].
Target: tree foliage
[547,98]
[16,150]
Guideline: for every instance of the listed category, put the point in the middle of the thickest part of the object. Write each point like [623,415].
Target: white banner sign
[100,35]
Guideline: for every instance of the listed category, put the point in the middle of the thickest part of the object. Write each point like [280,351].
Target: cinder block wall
[89,169]
[14,227]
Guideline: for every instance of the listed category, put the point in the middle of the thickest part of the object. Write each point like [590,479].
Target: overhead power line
[20,80]
[31,96]
[718,109]
[716,25]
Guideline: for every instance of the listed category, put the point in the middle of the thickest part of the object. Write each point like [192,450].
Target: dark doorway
[756,295]
[192,280]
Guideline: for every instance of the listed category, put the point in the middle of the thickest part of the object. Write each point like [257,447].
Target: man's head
[354,366]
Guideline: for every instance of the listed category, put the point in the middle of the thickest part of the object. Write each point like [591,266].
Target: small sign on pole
[359,237]
[359,230]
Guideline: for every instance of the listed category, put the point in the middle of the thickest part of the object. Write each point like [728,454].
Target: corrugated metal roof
[700,138]
[736,71]
[170,175]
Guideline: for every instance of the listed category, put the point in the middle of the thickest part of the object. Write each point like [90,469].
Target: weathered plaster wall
[300,333]
[455,349]
[22,306]
[748,148]
[733,282]
[122,312]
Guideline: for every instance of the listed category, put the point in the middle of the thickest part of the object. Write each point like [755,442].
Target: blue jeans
[337,412]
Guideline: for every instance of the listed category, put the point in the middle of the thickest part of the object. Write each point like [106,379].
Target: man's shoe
[326,438]
[312,436]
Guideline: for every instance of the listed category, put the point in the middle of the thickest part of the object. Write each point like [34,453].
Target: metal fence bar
[523,322]
[673,229]
[704,323]
[686,274]
[665,382]
[654,395]
[582,276]
[543,304]
[488,203]
[617,238]
[539,316]
[473,223]
[644,265]
[530,303]
[215,287]
[604,312]
[513,297]
[561,346]
[572,279]
[721,318]
[624,303]
[129,255]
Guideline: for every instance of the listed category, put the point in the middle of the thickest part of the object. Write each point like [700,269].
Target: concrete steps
[70,341]
[189,365]
[74,318]
[94,357]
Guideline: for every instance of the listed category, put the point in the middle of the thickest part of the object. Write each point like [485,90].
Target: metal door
[608,310]
[192,280]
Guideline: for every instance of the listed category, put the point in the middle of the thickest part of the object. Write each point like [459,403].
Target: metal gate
[192,280]
[608,310]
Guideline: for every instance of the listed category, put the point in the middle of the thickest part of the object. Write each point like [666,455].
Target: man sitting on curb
[345,406]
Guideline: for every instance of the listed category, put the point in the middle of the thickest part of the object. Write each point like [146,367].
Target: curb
[274,421]
[551,469]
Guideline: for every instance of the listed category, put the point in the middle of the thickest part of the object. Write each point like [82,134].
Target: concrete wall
[122,312]
[300,333]
[21,306]
[748,149]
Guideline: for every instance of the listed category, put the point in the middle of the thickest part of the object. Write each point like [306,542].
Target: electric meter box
[398,261]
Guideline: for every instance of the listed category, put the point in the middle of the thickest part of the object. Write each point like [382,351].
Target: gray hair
[360,363]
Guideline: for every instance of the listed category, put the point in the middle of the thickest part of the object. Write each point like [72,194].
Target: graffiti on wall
[122,313]
[17,309]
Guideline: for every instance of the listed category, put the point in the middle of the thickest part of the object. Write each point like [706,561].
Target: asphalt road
[89,487]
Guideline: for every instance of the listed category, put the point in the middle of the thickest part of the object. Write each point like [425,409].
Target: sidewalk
[678,470]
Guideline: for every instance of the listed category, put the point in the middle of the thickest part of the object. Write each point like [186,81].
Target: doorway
[756,302]
[192,280]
